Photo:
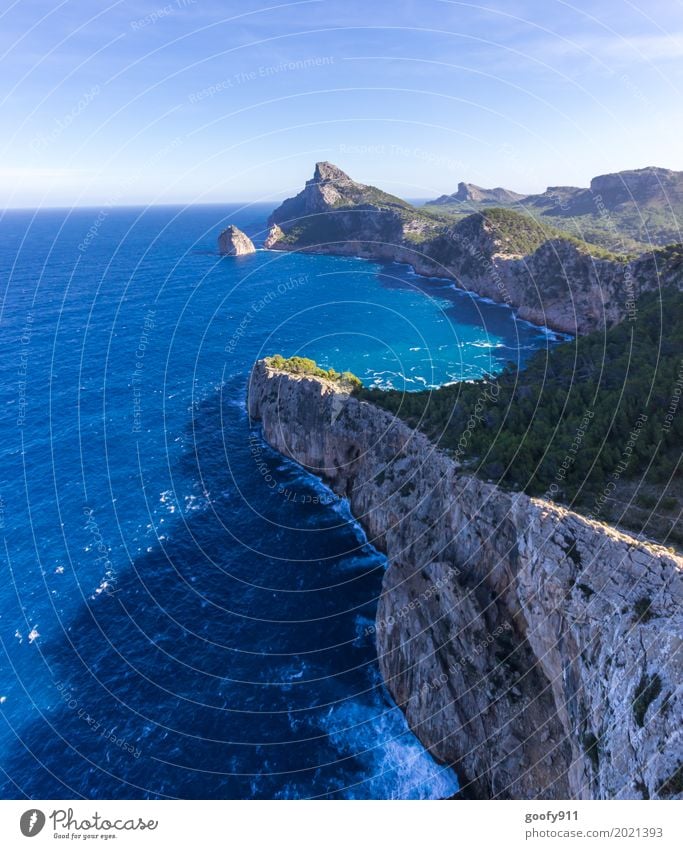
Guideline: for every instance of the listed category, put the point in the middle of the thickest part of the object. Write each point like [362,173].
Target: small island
[233,242]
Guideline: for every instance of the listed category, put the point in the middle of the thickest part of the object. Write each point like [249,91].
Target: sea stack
[233,242]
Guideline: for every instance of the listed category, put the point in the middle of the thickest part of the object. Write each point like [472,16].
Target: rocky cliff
[547,276]
[641,186]
[534,650]
[233,242]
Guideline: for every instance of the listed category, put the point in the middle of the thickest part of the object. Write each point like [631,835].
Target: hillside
[334,208]
[469,193]
[593,424]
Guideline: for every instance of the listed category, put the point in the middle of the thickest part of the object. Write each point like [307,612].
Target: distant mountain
[469,193]
[626,210]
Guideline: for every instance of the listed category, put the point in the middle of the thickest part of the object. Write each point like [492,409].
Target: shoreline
[452,282]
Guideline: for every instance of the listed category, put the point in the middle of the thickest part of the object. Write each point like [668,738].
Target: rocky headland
[534,650]
[546,275]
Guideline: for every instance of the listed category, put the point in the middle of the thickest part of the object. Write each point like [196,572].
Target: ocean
[170,625]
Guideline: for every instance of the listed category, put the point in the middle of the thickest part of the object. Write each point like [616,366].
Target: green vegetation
[630,227]
[304,365]
[584,423]
[358,193]
[520,234]
[619,236]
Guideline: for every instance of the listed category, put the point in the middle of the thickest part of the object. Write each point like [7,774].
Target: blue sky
[201,101]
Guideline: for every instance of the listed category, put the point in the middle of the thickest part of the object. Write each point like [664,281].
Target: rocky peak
[329,187]
[328,190]
[468,191]
[233,242]
[327,172]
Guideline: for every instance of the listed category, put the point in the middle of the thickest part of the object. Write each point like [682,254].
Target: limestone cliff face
[559,284]
[536,651]
[642,186]
[328,186]
[233,242]
[554,280]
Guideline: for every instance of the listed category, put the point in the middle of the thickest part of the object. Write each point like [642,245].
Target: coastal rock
[534,650]
[233,242]
[274,236]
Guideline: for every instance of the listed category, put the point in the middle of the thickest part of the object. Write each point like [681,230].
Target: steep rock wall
[536,651]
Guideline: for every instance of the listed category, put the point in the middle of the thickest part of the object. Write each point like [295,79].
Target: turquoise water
[169,625]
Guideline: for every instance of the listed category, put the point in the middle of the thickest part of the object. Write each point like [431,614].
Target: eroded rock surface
[233,242]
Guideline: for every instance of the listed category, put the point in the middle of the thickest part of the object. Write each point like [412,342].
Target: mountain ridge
[641,205]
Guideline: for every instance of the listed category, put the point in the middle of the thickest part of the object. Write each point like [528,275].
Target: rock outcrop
[469,193]
[536,651]
[547,277]
[643,186]
[233,242]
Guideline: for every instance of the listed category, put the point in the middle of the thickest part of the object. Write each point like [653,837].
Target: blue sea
[170,624]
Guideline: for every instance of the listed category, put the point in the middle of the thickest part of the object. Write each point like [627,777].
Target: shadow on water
[213,668]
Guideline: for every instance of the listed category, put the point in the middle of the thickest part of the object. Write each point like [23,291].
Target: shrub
[303,365]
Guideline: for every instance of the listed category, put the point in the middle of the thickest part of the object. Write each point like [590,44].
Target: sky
[199,101]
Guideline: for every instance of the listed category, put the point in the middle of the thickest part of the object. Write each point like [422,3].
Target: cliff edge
[534,650]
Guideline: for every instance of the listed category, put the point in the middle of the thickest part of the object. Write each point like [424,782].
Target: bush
[303,365]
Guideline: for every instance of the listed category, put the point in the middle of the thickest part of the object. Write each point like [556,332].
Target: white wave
[364,630]
[395,764]
[289,675]
[486,344]
[195,502]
